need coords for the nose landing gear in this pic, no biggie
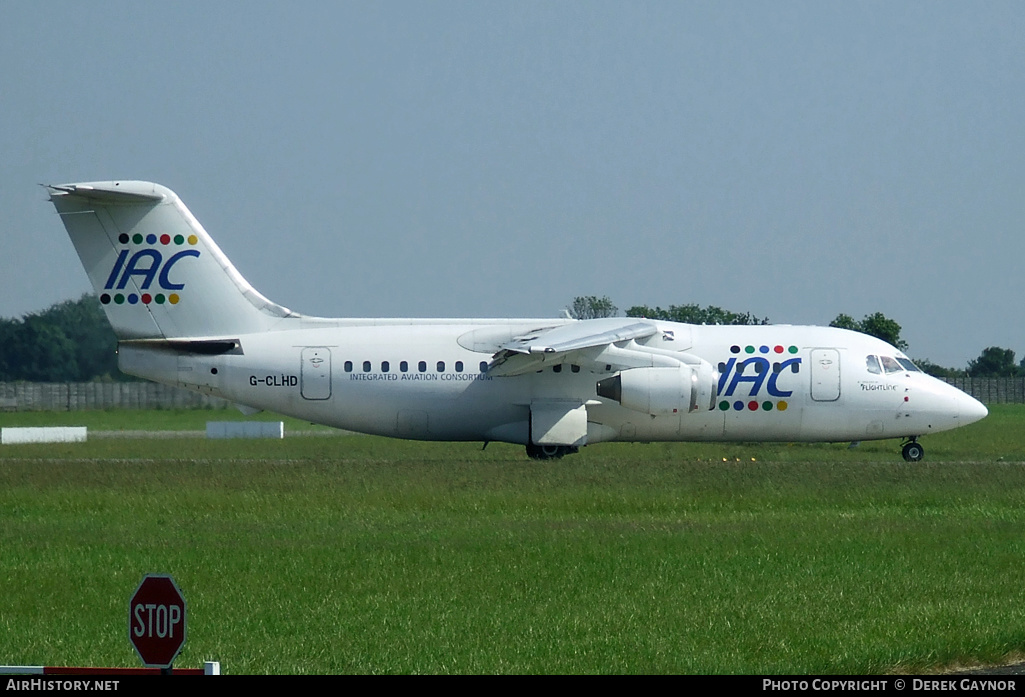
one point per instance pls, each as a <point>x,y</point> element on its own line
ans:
<point>912,450</point>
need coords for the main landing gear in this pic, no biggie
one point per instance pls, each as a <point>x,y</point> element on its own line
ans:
<point>912,450</point>
<point>549,452</point>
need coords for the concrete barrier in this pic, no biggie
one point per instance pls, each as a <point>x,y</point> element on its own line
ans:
<point>245,429</point>
<point>55,434</point>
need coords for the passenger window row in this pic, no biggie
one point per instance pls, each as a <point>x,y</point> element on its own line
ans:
<point>439,367</point>
<point>421,366</point>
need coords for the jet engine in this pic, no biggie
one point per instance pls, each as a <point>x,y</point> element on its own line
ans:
<point>663,390</point>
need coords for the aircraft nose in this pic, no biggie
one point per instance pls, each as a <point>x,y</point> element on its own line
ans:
<point>948,407</point>
<point>972,410</point>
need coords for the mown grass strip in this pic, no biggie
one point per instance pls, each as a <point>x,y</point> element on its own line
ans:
<point>360,555</point>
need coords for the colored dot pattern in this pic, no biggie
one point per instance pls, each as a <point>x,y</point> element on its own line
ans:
<point>147,298</point>
<point>164,239</point>
<point>763,349</point>
<point>753,405</point>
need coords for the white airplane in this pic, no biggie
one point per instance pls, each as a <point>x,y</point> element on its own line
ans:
<point>185,316</point>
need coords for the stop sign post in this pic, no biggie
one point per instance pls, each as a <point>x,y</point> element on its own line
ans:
<point>156,620</point>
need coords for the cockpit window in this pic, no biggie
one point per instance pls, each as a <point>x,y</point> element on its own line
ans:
<point>890,365</point>
<point>908,365</point>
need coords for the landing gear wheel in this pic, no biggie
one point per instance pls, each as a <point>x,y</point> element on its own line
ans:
<point>912,451</point>
<point>549,452</point>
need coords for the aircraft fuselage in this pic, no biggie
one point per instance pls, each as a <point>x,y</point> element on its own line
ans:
<point>430,382</point>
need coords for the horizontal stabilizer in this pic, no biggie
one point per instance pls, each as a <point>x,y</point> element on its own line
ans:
<point>112,192</point>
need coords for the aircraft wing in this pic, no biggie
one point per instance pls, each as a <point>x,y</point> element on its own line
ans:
<point>582,343</point>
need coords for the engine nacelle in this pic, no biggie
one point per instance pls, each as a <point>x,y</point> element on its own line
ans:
<point>663,390</point>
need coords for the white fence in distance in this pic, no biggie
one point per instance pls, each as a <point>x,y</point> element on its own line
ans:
<point>76,396</point>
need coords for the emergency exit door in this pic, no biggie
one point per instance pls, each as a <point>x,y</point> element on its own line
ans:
<point>315,374</point>
<point>825,375</point>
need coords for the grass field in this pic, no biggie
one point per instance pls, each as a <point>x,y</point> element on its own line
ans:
<point>356,554</point>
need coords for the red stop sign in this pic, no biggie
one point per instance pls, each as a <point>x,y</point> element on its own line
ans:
<point>156,620</point>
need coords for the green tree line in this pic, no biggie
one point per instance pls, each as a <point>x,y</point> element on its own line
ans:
<point>70,341</point>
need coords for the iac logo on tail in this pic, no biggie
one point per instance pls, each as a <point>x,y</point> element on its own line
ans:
<point>148,265</point>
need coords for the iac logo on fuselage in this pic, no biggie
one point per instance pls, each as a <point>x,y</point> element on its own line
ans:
<point>148,266</point>
<point>757,372</point>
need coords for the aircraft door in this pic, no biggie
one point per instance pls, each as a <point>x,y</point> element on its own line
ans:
<point>315,373</point>
<point>825,375</point>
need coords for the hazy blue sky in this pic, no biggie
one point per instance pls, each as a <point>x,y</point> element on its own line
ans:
<point>795,160</point>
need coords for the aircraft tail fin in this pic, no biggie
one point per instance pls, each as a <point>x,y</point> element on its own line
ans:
<point>156,270</point>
